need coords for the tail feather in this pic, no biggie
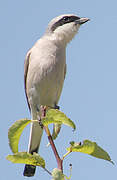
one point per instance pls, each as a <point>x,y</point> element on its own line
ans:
<point>29,170</point>
<point>34,142</point>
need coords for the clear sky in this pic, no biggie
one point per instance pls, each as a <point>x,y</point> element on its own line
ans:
<point>89,95</point>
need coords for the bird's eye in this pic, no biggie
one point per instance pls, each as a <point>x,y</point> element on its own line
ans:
<point>66,18</point>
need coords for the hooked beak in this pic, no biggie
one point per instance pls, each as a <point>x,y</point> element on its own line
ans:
<point>82,20</point>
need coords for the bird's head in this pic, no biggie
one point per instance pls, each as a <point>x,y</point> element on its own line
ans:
<point>63,28</point>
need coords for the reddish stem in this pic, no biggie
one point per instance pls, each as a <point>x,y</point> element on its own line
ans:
<point>58,159</point>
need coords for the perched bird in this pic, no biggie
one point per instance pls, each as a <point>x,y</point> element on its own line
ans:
<point>44,72</point>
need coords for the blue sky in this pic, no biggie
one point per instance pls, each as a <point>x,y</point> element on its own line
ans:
<point>89,95</point>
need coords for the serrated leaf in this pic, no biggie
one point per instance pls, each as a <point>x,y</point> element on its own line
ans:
<point>27,158</point>
<point>56,116</point>
<point>15,132</point>
<point>91,148</point>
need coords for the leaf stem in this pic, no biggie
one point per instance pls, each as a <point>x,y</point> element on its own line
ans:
<point>46,170</point>
<point>66,154</point>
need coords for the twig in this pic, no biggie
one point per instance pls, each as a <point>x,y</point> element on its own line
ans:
<point>47,171</point>
<point>58,159</point>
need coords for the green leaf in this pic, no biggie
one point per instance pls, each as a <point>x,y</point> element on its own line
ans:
<point>27,158</point>
<point>15,132</point>
<point>56,116</point>
<point>56,130</point>
<point>91,148</point>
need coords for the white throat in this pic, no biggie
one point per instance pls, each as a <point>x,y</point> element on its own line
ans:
<point>64,34</point>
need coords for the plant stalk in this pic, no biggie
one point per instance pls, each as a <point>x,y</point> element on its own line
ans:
<point>58,159</point>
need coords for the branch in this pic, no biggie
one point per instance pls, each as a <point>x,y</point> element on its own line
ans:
<point>58,159</point>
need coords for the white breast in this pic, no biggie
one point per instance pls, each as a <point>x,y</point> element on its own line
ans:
<point>45,74</point>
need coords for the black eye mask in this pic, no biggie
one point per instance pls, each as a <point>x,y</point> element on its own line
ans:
<point>64,20</point>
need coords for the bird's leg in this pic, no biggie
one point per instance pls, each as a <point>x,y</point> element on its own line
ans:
<point>39,118</point>
<point>40,123</point>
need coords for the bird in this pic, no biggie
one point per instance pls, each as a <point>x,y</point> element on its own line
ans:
<point>44,73</point>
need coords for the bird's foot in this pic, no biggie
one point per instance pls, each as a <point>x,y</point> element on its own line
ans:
<point>40,123</point>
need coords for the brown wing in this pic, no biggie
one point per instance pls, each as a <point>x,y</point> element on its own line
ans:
<point>26,65</point>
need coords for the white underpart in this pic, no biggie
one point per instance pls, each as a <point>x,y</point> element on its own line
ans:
<point>46,73</point>
<point>66,32</point>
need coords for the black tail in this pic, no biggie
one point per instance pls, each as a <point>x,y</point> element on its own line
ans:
<point>29,170</point>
